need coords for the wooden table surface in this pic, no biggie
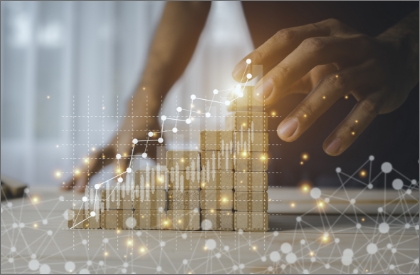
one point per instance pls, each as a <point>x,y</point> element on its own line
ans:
<point>339,236</point>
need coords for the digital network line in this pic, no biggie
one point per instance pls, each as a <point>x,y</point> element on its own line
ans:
<point>239,92</point>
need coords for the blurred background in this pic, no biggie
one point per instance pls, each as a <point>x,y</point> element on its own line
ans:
<point>69,68</point>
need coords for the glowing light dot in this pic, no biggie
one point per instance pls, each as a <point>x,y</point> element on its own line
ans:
<point>174,130</point>
<point>346,97</point>
<point>120,179</point>
<point>193,97</point>
<point>93,148</point>
<point>150,134</point>
<point>249,76</point>
<point>301,163</point>
<point>188,121</point>
<point>144,155</point>
<point>163,118</point>
<point>97,186</point>
<point>129,170</point>
<point>85,199</point>
<point>118,156</point>
<point>92,214</point>
<point>248,61</point>
<point>160,140</point>
<point>135,141</point>
<point>77,172</point>
<point>324,97</point>
<point>215,91</point>
<point>48,97</point>
<point>353,133</point>
<point>336,76</point>
<point>227,102</point>
<point>179,109</point>
<point>208,114</point>
<point>304,115</point>
<point>356,121</point>
<point>292,205</point>
<point>58,174</point>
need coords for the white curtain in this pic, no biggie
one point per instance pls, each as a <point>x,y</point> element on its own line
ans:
<point>68,69</point>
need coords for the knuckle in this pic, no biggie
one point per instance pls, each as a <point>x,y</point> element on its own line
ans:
<point>333,22</point>
<point>369,106</point>
<point>313,44</point>
<point>338,80</point>
<point>282,71</point>
<point>285,35</point>
<point>306,110</point>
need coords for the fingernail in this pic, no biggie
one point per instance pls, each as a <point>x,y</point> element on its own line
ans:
<point>238,72</point>
<point>334,147</point>
<point>288,128</point>
<point>264,89</point>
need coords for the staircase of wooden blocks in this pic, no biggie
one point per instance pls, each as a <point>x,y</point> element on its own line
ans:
<point>221,187</point>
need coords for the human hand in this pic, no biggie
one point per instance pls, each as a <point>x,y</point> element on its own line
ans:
<point>328,60</point>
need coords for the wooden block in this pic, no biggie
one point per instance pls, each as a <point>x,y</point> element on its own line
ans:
<point>244,121</point>
<point>215,179</point>
<point>118,219</point>
<point>183,160</point>
<point>251,162</point>
<point>251,201</point>
<point>183,200</point>
<point>217,160</point>
<point>82,219</point>
<point>216,199</point>
<point>150,219</point>
<point>154,177</point>
<point>216,140</point>
<point>180,180</point>
<point>250,181</point>
<point>12,188</point>
<point>247,141</point>
<point>184,219</point>
<point>217,220</point>
<point>146,199</point>
<point>251,221</point>
<point>243,99</point>
<point>117,197</point>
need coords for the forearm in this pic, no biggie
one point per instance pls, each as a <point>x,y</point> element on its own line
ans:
<point>171,50</point>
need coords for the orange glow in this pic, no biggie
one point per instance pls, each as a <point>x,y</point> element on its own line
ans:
<point>363,173</point>
<point>292,205</point>
<point>305,156</point>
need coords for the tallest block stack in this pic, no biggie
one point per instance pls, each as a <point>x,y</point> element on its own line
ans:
<point>250,125</point>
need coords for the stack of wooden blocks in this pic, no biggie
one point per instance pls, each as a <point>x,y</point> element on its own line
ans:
<point>223,187</point>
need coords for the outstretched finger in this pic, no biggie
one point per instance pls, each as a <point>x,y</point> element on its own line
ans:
<point>351,127</point>
<point>323,96</point>
<point>278,47</point>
